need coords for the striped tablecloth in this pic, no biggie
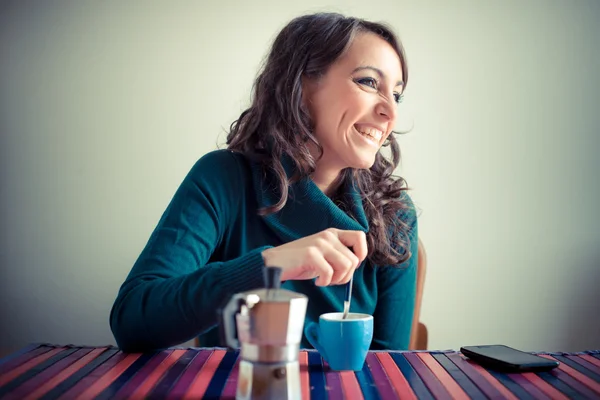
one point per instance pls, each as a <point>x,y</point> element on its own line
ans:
<point>68,372</point>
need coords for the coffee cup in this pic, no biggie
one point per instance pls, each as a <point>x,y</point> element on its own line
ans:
<point>342,342</point>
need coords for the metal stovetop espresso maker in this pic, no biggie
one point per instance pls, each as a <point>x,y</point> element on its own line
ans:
<point>266,325</point>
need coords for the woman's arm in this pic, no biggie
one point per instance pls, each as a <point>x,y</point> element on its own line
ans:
<point>396,295</point>
<point>172,292</point>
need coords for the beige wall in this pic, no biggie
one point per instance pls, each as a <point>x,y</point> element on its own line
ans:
<point>104,107</point>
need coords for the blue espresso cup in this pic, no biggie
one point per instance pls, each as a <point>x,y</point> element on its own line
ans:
<point>343,343</point>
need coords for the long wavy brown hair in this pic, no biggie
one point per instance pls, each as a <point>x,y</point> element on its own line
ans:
<point>277,125</point>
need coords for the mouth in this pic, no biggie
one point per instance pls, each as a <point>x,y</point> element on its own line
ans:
<point>373,135</point>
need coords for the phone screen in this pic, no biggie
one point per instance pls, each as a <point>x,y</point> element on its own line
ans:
<point>504,356</point>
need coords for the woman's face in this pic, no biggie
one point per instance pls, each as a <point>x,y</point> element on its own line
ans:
<point>353,106</point>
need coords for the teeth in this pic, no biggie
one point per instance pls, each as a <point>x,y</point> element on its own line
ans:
<point>372,132</point>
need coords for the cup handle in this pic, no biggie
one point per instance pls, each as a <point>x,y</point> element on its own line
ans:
<point>312,334</point>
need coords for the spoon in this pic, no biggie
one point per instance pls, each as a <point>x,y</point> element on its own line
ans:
<point>348,298</point>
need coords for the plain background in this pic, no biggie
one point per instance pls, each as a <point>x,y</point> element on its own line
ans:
<point>105,106</point>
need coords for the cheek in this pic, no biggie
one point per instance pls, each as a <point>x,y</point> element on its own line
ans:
<point>328,116</point>
<point>359,104</point>
<point>333,115</point>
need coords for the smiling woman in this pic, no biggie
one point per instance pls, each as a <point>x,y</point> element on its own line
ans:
<point>354,105</point>
<point>303,186</point>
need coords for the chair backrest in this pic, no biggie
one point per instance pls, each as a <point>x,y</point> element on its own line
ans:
<point>418,336</point>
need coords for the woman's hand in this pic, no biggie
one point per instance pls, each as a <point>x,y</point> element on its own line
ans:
<point>325,255</point>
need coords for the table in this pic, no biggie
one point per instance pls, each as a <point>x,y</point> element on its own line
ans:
<point>67,372</point>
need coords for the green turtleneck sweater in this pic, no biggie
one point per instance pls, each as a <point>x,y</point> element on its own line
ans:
<point>207,247</point>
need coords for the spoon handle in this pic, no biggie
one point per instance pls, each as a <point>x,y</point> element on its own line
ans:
<point>348,298</point>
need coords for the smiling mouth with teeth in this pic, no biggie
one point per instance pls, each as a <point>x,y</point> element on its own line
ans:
<point>371,133</point>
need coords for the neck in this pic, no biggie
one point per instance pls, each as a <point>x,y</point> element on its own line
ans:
<point>328,179</point>
<point>326,175</point>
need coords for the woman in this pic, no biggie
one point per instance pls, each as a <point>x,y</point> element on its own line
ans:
<point>302,186</point>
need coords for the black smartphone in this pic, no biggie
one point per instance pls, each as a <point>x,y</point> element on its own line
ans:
<point>507,359</point>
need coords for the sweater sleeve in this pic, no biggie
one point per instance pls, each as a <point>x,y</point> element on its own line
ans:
<point>174,290</point>
<point>396,294</point>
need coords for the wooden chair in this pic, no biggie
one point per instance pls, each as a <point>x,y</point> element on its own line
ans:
<point>418,336</point>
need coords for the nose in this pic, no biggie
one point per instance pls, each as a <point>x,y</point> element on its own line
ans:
<point>386,108</point>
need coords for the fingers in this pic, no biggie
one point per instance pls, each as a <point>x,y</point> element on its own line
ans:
<point>346,277</point>
<point>320,266</point>
<point>347,264</point>
<point>357,240</point>
<point>342,266</point>
<point>340,259</point>
<point>331,255</point>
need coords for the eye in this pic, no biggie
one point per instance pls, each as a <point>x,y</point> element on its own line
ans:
<point>398,98</point>
<point>371,82</point>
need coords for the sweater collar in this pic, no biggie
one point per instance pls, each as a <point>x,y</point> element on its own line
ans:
<point>308,210</point>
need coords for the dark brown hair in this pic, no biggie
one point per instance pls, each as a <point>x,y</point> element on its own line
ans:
<point>277,125</point>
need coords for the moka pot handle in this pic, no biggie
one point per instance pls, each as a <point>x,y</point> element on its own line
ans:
<point>229,336</point>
